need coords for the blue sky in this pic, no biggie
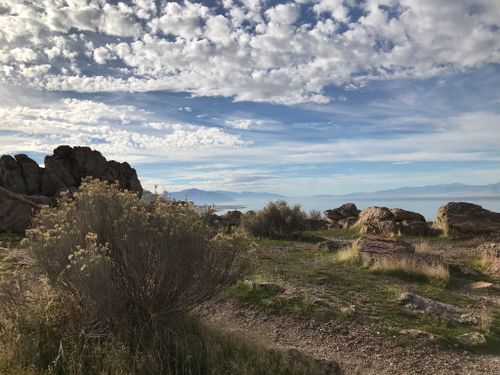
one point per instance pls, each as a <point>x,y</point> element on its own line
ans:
<point>293,97</point>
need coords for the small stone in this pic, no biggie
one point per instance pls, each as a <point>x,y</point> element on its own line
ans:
<point>472,338</point>
<point>484,285</point>
<point>351,309</point>
<point>264,285</point>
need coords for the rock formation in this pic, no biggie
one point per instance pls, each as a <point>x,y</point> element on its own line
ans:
<point>373,247</point>
<point>344,216</point>
<point>15,211</point>
<point>391,222</point>
<point>26,186</point>
<point>465,220</point>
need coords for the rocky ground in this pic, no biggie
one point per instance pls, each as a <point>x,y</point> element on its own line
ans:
<point>299,297</point>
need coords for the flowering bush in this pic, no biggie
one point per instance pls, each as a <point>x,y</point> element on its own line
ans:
<point>127,262</point>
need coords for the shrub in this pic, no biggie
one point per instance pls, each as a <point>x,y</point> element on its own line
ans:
<point>129,263</point>
<point>277,220</point>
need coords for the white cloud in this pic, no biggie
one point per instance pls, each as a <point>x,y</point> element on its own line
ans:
<point>249,51</point>
<point>121,131</point>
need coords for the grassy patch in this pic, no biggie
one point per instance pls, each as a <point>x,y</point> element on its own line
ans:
<point>340,233</point>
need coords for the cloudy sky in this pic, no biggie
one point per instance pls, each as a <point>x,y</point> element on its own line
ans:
<point>294,97</point>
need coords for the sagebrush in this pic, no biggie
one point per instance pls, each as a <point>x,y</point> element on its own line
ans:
<point>277,220</point>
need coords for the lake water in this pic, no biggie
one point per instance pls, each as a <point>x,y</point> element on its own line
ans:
<point>425,206</point>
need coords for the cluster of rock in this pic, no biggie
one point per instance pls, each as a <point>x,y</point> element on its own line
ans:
<point>24,185</point>
<point>456,219</point>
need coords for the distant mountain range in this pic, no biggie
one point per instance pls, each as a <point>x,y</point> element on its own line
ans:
<point>219,196</point>
<point>431,191</point>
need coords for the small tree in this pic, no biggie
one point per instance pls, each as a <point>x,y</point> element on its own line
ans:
<point>276,220</point>
<point>129,263</point>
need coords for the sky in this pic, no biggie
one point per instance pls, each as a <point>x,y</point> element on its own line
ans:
<point>294,97</point>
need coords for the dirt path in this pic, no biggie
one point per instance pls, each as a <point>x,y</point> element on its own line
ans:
<point>358,348</point>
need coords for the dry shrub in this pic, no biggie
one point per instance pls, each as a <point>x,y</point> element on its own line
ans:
<point>315,215</point>
<point>129,263</point>
<point>277,220</point>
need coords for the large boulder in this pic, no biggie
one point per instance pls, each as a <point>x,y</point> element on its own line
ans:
<point>68,166</point>
<point>376,247</point>
<point>466,220</point>
<point>11,175</point>
<point>15,211</point>
<point>391,222</point>
<point>344,216</point>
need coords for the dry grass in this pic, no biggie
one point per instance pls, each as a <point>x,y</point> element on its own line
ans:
<point>487,258</point>
<point>348,255</point>
<point>423,247</point>
<point>412,267</point>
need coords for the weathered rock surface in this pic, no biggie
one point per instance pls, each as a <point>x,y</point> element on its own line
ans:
<point>465,220</point>
<point>15,211</point>
<point>64,170</point>
<point>391,222</point>
<point>26,186</point>
<point>378,247</point>
<point>471,338</point>
<point>344,216</point>
<point>444,310</point>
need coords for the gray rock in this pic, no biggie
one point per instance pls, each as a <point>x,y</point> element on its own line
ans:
<point>472,339</point>
<point>466,220</point>
<point>443,310</point>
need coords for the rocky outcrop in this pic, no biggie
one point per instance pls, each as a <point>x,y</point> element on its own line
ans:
<point>64,170</point>
<point>68,166</point>
<point>374,247</point>
<point>15,211</point>
<point>443,310</point>
<point>466,220</point>
<point>391,222</point>
<point>26,186</point>
<point>344,216</point>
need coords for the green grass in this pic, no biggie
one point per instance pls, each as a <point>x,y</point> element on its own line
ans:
<point>340,233</point>
<point>375,294</point>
